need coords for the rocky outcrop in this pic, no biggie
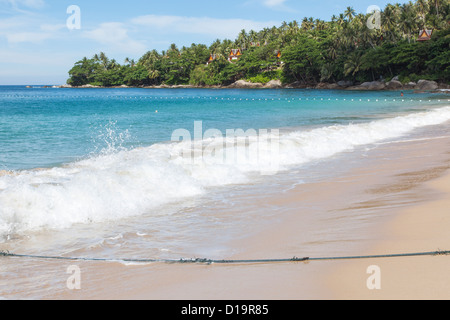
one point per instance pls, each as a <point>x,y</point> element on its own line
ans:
<point>369,86</point>
<point>394,85</point>
<point>345,83</point>
<point>420,86</point>
<point>297,85</point>
<point>242,84</point>
<point>273,84</point>
<point>410,85</point>
<point>89,86</point>
<point>328,86</point>
<point>426,85</point>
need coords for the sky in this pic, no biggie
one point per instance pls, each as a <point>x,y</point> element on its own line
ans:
<point>40,40</point>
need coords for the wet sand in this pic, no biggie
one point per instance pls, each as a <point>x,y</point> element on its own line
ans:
<point>396,202</point>
<point>421,228</point>
<point>393,201</point>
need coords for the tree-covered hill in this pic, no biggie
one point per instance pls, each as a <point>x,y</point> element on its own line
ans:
<point>308,52</point>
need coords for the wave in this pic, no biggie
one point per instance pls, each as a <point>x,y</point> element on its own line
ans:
<point>126,183</point>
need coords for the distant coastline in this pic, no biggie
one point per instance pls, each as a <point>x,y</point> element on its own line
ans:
<point>408,52</point>
<point>393,85</point>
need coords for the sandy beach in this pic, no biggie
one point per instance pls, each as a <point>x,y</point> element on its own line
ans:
<point>388,205</point>
<point>259,151</point>
<point>420,228</point>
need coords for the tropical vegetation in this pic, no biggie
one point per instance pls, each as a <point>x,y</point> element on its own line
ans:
<point>312,51</point>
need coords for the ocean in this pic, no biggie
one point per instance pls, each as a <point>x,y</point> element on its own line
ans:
<point>177,173</point>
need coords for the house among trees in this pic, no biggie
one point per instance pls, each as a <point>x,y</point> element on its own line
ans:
<point>278,53</point>
<point>212,57</point>
<point>235,54</point>
<point>425,35</point>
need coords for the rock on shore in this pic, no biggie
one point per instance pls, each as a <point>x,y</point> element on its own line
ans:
<point>242,84</point>
<point>425,85</point>
<point>394,84</point>
<point>369,86</point>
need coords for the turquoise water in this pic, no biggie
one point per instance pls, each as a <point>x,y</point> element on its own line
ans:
<point>111,173</point>
<point>45,127</point>
<point>99,169</point>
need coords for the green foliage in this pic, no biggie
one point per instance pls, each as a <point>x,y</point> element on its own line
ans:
<point>303,60</point>
<point>313,51</point>
<point>260,78</point>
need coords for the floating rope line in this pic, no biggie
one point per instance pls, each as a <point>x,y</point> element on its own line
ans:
<point>214,261</point>
<point>225,98</point>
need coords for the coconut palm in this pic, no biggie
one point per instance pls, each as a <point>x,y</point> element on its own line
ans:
<point>326,72</point>
<point>408,20</point>
<point>349,13</point>
<point>242,39</point>
<point>332,52</point>
<point>130,62</point>
<point>104,60</point>
<point>307,24</point>
<point>389,22</point>
<point>422,8</point>
<point>113,64</point>
<point>353,65</point>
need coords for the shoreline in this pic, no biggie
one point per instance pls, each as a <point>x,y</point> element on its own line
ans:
<point>394,85</point>
<point>361,211</point>
<point>380,207</point>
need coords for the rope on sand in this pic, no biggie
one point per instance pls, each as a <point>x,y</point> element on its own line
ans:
<point>213,261</point>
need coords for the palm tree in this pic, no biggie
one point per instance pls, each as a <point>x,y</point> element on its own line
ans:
<point>225,47</point>
<point>332,52</point>
<point>326,72</point>
<point>353,64</point>
<point>149,59</point>
<point>408,20</point>
<point>389,23</point>
<point>242,39</point>
<point>306,24</point>
<point>130,62</point>
<point>253,36</point>
<point>350,13</point>
<point>113,64</point>
<point>153,74</point>
<point>173,49</point>
<point>366,35</point>
<point>319,24</point>
<point>104,59</point>
<point>436,5</point>
<point>423,8</point>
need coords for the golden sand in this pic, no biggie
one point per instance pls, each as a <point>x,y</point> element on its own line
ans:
<point>388,207</point>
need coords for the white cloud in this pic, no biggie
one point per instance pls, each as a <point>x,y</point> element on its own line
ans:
<point>115,35</point>
<point>13,58</point>
<point>52,27</point>
<point>277,5</point>
<point>273,3</point>
<point>29,28</point>
<point>12,23</point>
<point>31,37</point>
<point>219,28</point>
<point>19,29</point>
<point>29,4</point>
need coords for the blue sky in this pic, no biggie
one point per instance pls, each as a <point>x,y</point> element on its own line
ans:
<point>37,47</point>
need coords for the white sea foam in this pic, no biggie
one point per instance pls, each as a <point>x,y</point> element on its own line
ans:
<point>128,183</point>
